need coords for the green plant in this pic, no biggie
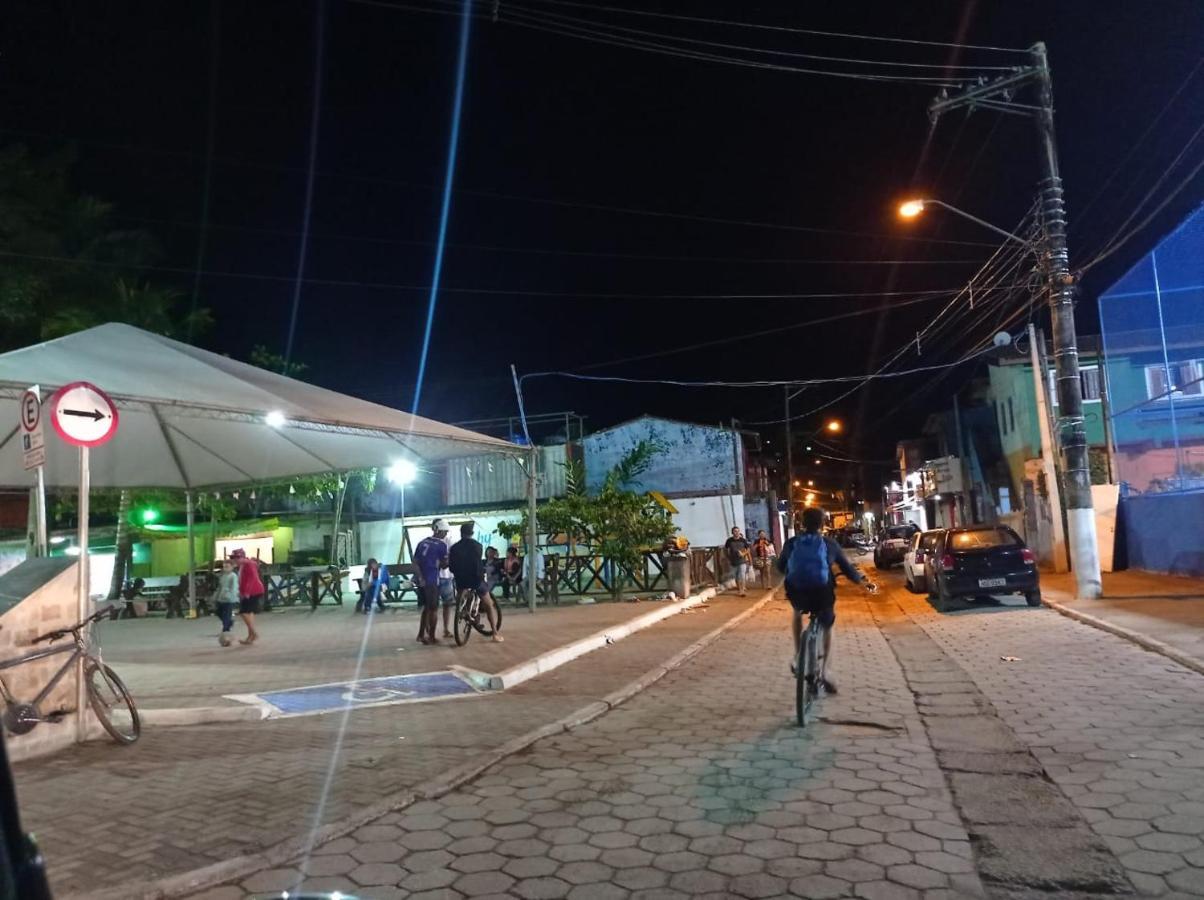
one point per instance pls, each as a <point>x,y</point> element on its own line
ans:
<point>615,522</point>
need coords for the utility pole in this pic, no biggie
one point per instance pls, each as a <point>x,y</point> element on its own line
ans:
<point>1040,386</point>
<point>1072,433</point>
<point>789,470</point>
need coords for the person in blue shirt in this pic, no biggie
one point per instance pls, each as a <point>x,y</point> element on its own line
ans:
<point>372,587</point>
<point>429,557</point>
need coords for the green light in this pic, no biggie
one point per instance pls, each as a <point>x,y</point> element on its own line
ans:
<point>149,516</point>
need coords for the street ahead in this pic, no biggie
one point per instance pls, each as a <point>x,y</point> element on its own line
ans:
<point>1001,751</point>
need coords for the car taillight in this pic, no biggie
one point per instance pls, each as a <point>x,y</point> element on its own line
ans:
<point>1028,556</point>
<point>947,562</point>
<point>919,557</point>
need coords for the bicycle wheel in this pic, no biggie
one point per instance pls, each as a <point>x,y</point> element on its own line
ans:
<point>802,689</point>
<point>481,623</point>
<point>463,624</point>
<point>112,703</point>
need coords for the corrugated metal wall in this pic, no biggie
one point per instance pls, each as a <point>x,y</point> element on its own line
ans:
<point>476,480</point>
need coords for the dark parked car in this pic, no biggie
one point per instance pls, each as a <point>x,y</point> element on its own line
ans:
<point>892,545</point>
<point>981,560</point>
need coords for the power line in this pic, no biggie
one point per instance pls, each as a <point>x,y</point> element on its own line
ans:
<point>725,46</point>
<point>1116,241</point>
<point>718,342</point>
<point>334,282</point>
<point>843,379</point>
<point>1081,216</point>
<point>667,50</point>
<point>779,28</point>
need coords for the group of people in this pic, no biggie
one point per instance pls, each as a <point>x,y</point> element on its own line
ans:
<point>239,586</point>
<point>743,554</point>
<point>466,562</point>
<point>441,571</point>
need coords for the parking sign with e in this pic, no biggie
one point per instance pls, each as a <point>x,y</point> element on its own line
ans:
<point>33,445</point>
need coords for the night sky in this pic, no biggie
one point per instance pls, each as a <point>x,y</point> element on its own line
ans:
<point>559,135</point>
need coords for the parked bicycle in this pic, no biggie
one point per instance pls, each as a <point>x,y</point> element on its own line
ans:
<point>107,694</point>
<point>469,615</point>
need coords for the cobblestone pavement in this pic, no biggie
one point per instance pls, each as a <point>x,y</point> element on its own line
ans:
<point>1167,608</point>
<point>701,786</point>
<point>184,798</point>
<point>940,770</point>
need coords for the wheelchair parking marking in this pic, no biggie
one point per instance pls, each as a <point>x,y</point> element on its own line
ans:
<point>388,690</point>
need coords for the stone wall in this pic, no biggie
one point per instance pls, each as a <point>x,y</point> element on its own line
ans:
<point>38,596</point>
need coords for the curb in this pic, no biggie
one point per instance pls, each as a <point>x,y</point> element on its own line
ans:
<point>287,851</point>
<point>170,717</point>
<point>1136,637</point>
<point>553,659</point>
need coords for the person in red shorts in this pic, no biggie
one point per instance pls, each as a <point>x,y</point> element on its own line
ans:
<point>250,593</point>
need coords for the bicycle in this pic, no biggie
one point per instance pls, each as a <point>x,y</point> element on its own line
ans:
<point>809,664</point>
<point>468,616</point>
<point>107,694</point>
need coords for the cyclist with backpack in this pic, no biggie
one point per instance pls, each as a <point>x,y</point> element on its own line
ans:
<point>807,561</point>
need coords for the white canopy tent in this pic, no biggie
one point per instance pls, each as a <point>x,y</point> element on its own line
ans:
<point>193,420</point>
<point>190,419</point>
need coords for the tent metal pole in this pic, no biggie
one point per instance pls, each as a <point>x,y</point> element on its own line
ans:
<point>189,512</point>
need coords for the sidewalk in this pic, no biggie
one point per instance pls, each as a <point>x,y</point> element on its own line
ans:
<point>185,798</point>
<point>178,663</point>
<point>1166,608</point>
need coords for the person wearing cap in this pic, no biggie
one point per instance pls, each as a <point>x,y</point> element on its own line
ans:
<point>429,557</point>
<point>250,593</point>
<point>467,564</point>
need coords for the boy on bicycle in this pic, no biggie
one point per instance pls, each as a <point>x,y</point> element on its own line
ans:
<point>806,561</point>
<point>468,569</point>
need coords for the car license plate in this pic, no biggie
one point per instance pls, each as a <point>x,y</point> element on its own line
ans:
<point>992,582</point>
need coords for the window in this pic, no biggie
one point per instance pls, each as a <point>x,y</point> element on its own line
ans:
<point>1011,416</point>
<point>981,539</point>
<point>1003,422</point>
<point>1089,377</point>
<point>1186,376</point>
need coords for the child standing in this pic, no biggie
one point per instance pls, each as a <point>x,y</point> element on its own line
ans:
<point>227,601</point>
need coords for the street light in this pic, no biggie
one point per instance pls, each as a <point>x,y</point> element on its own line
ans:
<point>401,473</point>
<point>835,426</point>
<point>912,209</point>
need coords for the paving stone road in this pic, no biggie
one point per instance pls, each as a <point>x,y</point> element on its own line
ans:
<point>181,799</point>
<point>940,770</point>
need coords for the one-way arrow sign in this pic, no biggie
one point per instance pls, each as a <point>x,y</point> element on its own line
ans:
<point>83,414</point>
<point>95,414</point>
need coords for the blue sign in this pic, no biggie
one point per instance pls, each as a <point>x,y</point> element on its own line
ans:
<point>366,692</point>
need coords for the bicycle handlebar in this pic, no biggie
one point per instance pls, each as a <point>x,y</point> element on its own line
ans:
<point>59,633</point>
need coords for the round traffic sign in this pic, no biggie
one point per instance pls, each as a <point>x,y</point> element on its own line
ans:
<point>31,410</point>
<point>83,414</point>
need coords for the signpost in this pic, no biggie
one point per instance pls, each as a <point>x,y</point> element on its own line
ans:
<point>33,449</point>
<point>82,414</point>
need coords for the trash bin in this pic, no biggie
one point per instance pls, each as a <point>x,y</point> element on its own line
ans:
<point>677,565</point>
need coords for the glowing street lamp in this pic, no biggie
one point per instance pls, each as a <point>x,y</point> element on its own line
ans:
<point>834,426</point>
<point>402,472</point>
<point>911,209</point>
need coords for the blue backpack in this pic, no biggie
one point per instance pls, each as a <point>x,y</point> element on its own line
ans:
<point>808,565</point>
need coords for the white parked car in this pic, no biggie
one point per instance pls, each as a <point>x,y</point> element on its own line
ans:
<point>922,544</point>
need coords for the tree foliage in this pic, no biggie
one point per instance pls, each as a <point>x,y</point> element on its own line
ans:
<point>67,266</point>
<point>615,521</point>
